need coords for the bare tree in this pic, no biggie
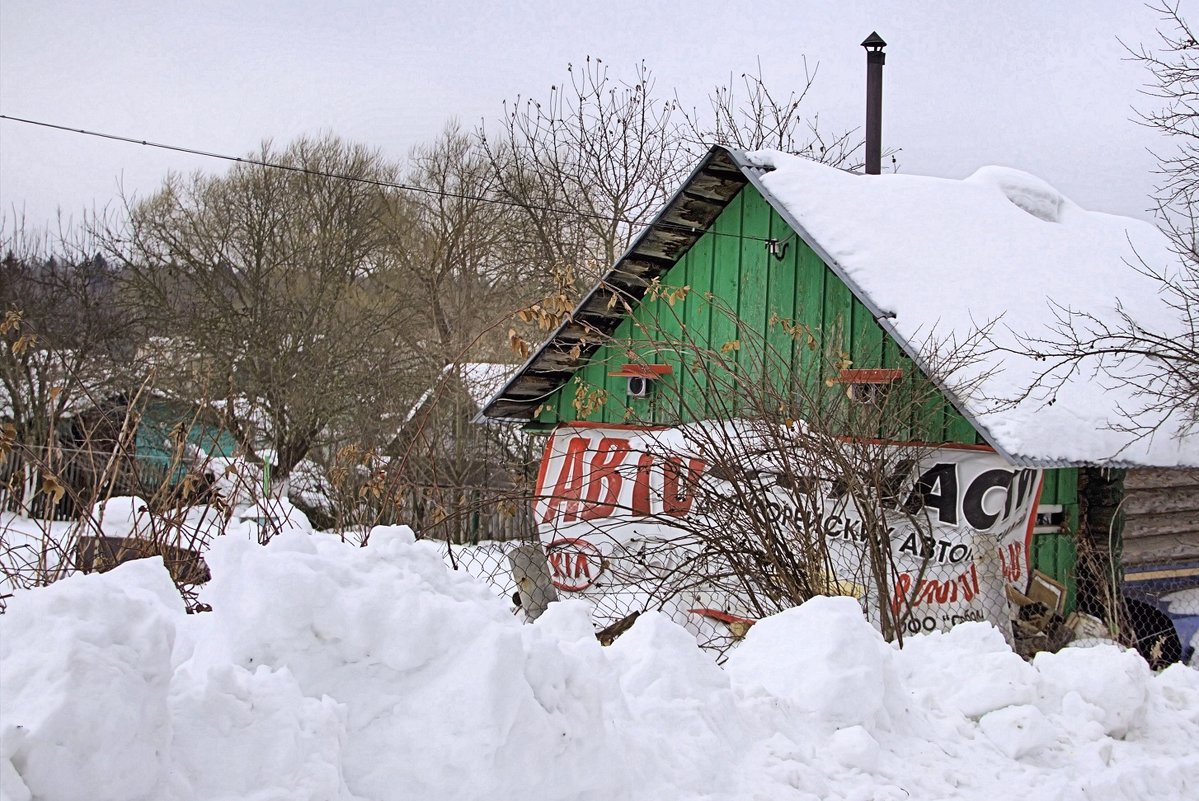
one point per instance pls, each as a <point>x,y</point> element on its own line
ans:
<point>451,250</point>
<point>588,165</point>
<point>270,288</point>
<point>1158,359</point>
<point>766,118</point>
<point>64,337</point>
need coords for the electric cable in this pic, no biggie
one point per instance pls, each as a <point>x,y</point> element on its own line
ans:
<point>371,181</point>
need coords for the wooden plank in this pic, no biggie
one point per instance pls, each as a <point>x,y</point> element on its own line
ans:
<point>664,243</point>
<point>1143,550</point>
<point>780,298</point>
<point>693,212</point>
<point>726,274</point>
<point>697,317</point>
<point>1157,478</point>
<point>755,263</point>
<point>1156,501</point>
<point>836,339</point>
<point>811,274</point>
<point>866,349</point>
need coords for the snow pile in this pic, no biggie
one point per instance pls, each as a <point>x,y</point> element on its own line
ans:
<point>328,671</point>
<point>939,259</point>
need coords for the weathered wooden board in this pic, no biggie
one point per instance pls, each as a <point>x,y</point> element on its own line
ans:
<point>1161,510</point>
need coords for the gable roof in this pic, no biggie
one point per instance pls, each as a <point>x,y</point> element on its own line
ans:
<point>480,381</point>
<point>934,260</point>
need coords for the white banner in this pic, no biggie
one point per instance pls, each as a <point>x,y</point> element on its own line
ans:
<point>605,491</point>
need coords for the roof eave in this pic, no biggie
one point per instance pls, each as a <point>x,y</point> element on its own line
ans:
<point>682,221</point>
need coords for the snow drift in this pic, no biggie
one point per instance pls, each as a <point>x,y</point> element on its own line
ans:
<point>327,671</point>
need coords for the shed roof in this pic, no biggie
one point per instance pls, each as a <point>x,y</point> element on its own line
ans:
<point>936,260</point>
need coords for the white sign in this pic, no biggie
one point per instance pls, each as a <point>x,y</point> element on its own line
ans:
<point>601,487</point>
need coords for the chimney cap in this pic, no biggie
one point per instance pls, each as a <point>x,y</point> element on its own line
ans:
<point>874,42</point>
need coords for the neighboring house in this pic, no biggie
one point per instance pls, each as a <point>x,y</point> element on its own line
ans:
<point>893,271</point>
<point>171,440</point>
<point>463,482</point>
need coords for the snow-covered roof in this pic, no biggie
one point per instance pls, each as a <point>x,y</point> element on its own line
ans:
<point>481,380</point>
<point>937,259</point>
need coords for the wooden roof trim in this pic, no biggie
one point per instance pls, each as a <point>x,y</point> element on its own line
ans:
<point>683,220</point>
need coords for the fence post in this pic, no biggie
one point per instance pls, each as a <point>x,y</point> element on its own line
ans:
<point>531,572</point>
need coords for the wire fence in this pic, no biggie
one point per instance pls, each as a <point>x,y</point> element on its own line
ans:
<point>1155,612</point>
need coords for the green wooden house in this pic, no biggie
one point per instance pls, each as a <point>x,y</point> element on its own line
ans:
<point>890,274</point>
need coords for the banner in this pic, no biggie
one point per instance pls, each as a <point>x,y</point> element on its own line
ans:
<point>961,527</point>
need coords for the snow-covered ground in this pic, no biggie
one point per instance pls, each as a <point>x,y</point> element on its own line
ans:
<point>328,671</point>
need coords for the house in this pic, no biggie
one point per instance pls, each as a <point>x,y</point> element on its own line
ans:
<point>857,280</point>
<point>170,440</point>
<point>460,480</point>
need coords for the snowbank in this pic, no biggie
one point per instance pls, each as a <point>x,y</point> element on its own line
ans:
<point>328,671</point>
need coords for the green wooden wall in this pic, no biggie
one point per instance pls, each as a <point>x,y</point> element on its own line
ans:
<point>745,318</point>
<point>1056,555</point>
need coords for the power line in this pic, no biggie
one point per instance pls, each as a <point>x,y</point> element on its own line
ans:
<point>361,180</point>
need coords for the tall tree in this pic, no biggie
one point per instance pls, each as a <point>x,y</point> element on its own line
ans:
<point>63,336</point>
<point>271,289</point>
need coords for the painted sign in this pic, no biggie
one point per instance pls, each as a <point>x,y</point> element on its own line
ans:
<point>575,563</point>
<point>962,523</point>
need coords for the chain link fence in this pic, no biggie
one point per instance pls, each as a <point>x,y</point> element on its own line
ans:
<point>1156,613</point>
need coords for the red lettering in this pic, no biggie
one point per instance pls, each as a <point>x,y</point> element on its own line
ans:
<point>899,598</point>
<point>934,591</point>
<point>569,487</point>
<point>967,592</point>
<point>640,505</point>
<point>582,567</point>
<point>556,563</point>
<point>946,591</point>
<point>604,479</point>
<point>1010,562</point>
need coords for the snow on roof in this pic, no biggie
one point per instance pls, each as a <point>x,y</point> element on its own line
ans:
<point>481,380</point>
<point>936,259</point>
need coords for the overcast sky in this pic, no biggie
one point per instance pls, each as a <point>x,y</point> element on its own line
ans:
<point>1038,85</point>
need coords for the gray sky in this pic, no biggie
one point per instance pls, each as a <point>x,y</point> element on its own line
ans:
<point>1037,85</point>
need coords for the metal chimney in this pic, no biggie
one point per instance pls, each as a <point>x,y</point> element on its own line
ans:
<point>875,58</point>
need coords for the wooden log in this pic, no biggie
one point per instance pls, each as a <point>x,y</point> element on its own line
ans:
<point>1158,549</point>
<point>1182,500</point>
<point>1158,525</point>
<point>1158,478</point>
